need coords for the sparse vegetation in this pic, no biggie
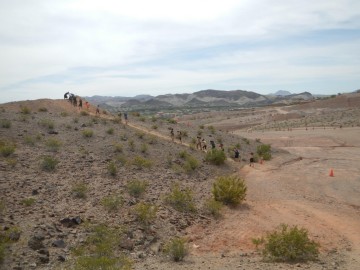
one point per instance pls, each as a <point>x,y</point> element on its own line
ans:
<point>215,156</point>
<point>112,203</point>
<point>264,151</point>
<point>49,163</point>
<point>191,164</point>
<point>5,123</point>
<point>181,200</point>
<point>53,144</point>
<point>143,148</point>
<point>112,169</point>
<point>25,110</point>
<point>64,114</point>
<point>132,145</point>
<point>98,251</point>
<point>88,133</point>
<point>145,213</point>
<point>84,113</point>
<point>79,190</point>
<point>289,244</point>
<point>118,147</point>
<point>229,190</point>
<point>6,148</point>
<point>141,162</point>
<point>43,109</point>
<point>110,131</point>
<point>136,187</point>
<point>28,201</point>
<point>47,123</point>
<point>176,248</point>
<point>213,207</point>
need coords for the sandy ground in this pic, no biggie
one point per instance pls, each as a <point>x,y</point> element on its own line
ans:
<point>293,188</point>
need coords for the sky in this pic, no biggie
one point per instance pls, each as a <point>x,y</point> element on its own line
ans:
<point>128,48</point>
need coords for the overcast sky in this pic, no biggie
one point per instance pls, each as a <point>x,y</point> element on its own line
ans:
<point>126,48</point>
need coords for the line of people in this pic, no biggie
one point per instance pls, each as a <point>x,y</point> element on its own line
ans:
<point>76,101</point>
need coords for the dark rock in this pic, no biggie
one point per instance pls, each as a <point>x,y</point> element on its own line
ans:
<point>18,268</point>
<point>44,251</point>
<point>44,258</point>
<point>14,236</point>
<point>127,244</point>
<point>35,244</point>
<point>62,258</point>
<point>59,243</point>
<point>71,222</point>
<point>35,192</point>
<point>83,125</point>
<point>53,132</point>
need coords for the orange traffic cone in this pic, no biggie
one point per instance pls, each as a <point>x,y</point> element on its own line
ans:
<point>331,173</point>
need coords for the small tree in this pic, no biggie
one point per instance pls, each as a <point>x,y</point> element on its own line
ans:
<point>176,248</point>
<point>264,151</point>
<point>215,156</point>
<point>229,190</point>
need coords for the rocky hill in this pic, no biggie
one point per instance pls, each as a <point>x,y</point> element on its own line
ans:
<point>67,172</point>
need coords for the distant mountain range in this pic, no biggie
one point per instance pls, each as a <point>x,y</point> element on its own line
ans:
<point>201,99</point>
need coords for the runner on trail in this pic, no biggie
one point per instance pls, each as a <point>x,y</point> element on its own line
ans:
<point>252,160</point>
<point>172,135</point>
<point>198,144</point>
<point>212,144</point>
<point>203,143</point>
<point>97,110</point>
<point>80,103</point>
<point>236,154</point>
<point>179,136</point>
<point>66,95</point>
<point>126,118</point>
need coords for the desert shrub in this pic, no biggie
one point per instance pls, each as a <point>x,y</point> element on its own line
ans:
<point>211,129</point>
<point>28,201</point>
<point>84,113</point>
<point>2,207</point>
<point>199,133</point>
<point>110,131</point>
<point>112,169</point>
<point>136,187</point>
<point>201,126</point>
<point>152,139</point>
<point>153,119</point>
<point>112,203</point>
<point>289,244</point>
<point>143,148</point>
<point>11,162</point>
<point>7,237</point>
<point>49,163</point>
<point>176,248</point>
<point>141,162</point>
<point>43,109</point>
<point>246,140</point>
<point>87,133</point>
<point>264,151</point>
<point>183,154</point>
<point>229,190</point>
<point>215,156</point>
<point>181,200</point>
<point>120,159</point>
<point>145,213</point>
<point>76,120</point>
<point>53,144</point>
<point>142,119</point>
<point>171,121</point>
<point>191,164</point>
<point>118,147</point>
<point>6,149</point>
<point>213,207</point>
<point>79,190</point>
<point>47,123</point>
<point>64,114</point>
<point>97,252</point>
<point>131,145</point>
<point>140,134</point>
<point>5,123</point>
<point>184,133</point>
<point>25,110</point>
<point>154,127</point>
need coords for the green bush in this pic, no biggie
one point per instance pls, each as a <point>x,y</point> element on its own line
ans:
<point>145,213</point>
<point>191,164</point>
<point>5,123</point>
<point>49,163</point>
<point>229,190</point>
<point>112,169</point>
<point>132,145</point>
<point>98,251</point>
<point>215,156</point>
<point>112,203</point>
<point>176,248</point>
<point>264,151</point>
<point>28,201</point>
<point>213,207</point>
<point>181,200</point>
<point>152,139</point>
<point>79,190</point>
<point>53,144</point>
<point>290,244</point>
<point>136,187</point>
<point>141,162</point>
<point>154,127</point>
<point>118,147</point>
<point>64,114</point>
<point>6,149</point>
<point>144,148</point>
<point>140,134</point>
<point>88,133</point>
<point>110,131</point>
<point>25,110</point>
<point>11,162</point>
<point>47,123</point>
<point>183,154</point>
<point>84,113</point>
<point>211,129</point>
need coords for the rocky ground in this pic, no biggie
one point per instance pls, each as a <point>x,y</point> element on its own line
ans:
<point>293,188</point>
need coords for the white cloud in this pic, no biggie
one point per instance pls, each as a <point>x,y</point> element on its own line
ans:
<point>171,45</point>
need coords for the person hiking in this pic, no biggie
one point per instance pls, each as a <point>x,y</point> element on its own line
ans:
<point>221,146</point>
<point>212,144</point>
<point>179,136</point>
<point>126,118</point>
<point>66,95</point>
<point>252,160</point>
<point>97,110</point>
<point>236,154</point>
<point>172,135</point>
<point>198,144</point>
<point>203,143</point>
<point>80,103</point>
<point>87,104</point>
